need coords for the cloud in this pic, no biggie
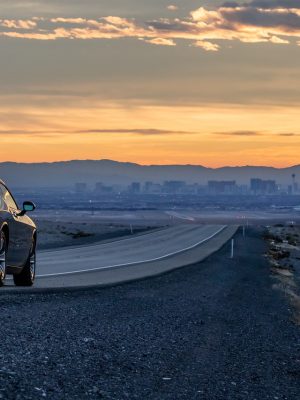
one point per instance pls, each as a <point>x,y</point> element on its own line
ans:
<point>172,7</point>
<point>161,42</point>
<point>239,133</point>
<point>55,132</point>
<point>259,21</point>
<point>288,134</point>
<point>277,40</point>
<point>18,24</point>
<point>267,4</point>
<point>20,132</point>
<point>68,20</point>
<point>208,46</point>
<point>145,132</point>
<point>57,34</point>
<point>253,133</point>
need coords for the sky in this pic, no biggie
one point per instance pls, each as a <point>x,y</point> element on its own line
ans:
<point>153,82</point>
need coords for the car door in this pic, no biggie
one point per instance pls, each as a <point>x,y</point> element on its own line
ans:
<point>18,240</point>
<point>3,211</point>
<point>25,229</point>
<point>8,218</point>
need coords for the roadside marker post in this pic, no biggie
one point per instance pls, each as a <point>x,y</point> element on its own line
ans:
<point>232,248</point>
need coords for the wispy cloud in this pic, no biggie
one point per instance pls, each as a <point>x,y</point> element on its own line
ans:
<point>288,134</point>
<point>266,4</point>
<point>254,133</point>
<point>239,133</point>
<point>257,21</point>
<point>54,132</point>
<point>145,132</point>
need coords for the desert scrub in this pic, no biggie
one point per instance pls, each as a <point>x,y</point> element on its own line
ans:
<point>291,240</point>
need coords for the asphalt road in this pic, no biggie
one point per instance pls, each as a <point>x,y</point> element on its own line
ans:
<point>127,259</point>
<point>212,331</point>
<point>135,250</point>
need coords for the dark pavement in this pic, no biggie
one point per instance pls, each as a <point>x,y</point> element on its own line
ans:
<point>215,330</point>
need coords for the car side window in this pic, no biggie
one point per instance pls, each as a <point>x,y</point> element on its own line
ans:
<point>7,198</point>
<point>1,197</point>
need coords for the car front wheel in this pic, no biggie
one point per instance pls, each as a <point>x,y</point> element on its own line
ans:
<point>3,250</point>
<point>27,275</point>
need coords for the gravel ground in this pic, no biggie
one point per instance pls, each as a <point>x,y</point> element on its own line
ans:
<point>215,330</point>
<point>284,257</point>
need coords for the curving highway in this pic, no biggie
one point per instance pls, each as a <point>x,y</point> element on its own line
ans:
<point>135,250</point>
<point>129,259</point>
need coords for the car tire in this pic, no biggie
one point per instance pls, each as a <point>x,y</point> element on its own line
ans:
<point>27,276</point>
<point>3,252</point>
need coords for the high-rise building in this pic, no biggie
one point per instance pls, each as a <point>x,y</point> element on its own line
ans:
<point>135,188</point>
<point>260,186</point>
<point>152,188</point>
<point>225,187</point>
<point>173,187</point>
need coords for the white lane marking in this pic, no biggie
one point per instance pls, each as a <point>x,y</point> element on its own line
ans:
<point>135,262</point>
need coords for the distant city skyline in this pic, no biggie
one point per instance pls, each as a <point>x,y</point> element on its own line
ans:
<point>255,186</point>
<point>108,172</point>
<point>151,82</point>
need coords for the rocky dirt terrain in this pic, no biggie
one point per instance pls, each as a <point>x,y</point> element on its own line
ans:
<point>284,257</point>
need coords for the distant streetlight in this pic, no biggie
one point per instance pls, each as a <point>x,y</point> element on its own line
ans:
<point>91,207</point>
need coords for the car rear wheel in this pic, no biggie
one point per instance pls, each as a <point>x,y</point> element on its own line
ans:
<point>27,276</point>
<point>3,251</point>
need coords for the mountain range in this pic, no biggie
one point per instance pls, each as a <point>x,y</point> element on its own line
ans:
<point>67,173</point>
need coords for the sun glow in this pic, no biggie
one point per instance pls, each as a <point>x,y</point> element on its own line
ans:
<point>154,135</point>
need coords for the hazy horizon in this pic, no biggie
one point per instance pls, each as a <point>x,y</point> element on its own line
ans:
<point>149,165</point>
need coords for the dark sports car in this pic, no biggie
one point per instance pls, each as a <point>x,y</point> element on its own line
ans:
<point>17,239</point>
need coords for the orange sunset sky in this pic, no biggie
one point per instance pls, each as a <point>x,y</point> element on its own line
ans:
<point>171,82</point>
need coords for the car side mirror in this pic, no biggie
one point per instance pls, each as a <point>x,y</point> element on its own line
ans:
<point>28,206</point>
